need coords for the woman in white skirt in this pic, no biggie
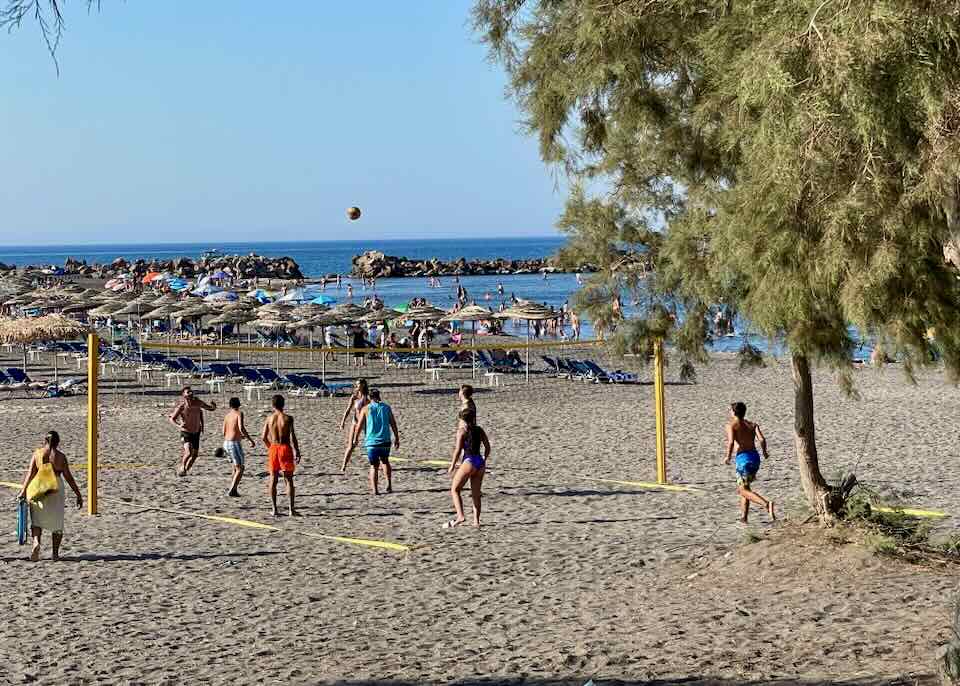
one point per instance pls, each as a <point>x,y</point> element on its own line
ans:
<point>48,512</point>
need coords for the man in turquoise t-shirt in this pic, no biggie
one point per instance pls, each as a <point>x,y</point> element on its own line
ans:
<point>378,421</point>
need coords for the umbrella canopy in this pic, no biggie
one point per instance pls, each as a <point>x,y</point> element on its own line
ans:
<point>167,299</point>
<point>243,304</point>
<point>234,317</point>
<point>136,307</point>
<point>79,307</point>
<point>150,277</point>
<point>106,309</point>
<point>220,274</point>
<point>196,311</point>
<point>323,299</point>
<point>349,312</point>
<point>161,312</point>
<point>222,296</point>
<point>472,313</point>
<point>308,311</point>
<point>52,327</point>
<point>277,307</point>
<point>528,312</point>
<point>425,314</point>
<point>123,296</point>
<point>382,315</point>
<point>260,295</point>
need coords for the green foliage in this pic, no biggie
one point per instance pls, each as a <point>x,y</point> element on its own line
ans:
<point>796,158</point>
<point>886,532</point>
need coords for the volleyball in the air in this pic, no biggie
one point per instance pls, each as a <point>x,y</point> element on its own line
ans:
<point>353,213</point>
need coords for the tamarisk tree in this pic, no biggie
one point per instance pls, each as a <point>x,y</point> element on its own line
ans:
<point>797,160</point>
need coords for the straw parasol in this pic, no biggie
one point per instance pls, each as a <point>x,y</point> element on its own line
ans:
<point>385,314</point>
<point>426,313</point>
<point>107,309</point>
<point>323,320</point>
<point>528,312</point>
<point>471,313</point>
<point>52,327</point>
<point>164,312</point>
<point>236,317</point>
<point>276,322</point>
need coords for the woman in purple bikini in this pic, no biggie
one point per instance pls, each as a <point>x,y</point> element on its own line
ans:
<point>471,439</point>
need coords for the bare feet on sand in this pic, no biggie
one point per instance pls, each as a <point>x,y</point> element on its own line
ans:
<point>771,512</point>
<point>452,523</point>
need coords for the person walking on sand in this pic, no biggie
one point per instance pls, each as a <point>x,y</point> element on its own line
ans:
<point>188,417</point>
<point>47,512</point>
<point>744,435</point>
<point>234,431</point>
<point>469,442</point>
<point>283,452</point>
<point>378,420</point>
<point>359,399</point>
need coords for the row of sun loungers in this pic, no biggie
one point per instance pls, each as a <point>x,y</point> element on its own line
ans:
<point>586,370</point>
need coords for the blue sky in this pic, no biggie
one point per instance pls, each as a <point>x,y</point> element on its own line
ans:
<point>183,120</point>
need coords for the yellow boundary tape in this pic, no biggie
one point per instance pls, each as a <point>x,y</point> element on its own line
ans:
<point>370,543</point>
<point>519,345</point>
<point>388,545</point>
<point>910,512</point>
<point>647,485</point>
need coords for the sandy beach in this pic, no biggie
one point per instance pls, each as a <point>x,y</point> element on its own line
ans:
<point>572,577</point>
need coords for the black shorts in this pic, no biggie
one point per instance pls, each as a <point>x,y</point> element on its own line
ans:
<point>191,439</point>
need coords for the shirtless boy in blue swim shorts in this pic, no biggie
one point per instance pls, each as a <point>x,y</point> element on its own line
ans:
<point>744,435</point>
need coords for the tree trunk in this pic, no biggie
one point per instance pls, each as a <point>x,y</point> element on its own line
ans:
<point>820,496</point>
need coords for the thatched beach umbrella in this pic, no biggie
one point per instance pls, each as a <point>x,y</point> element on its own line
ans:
<point>163,312</point>
<point>52,327</point>
<point>471,313</point>
<point>237,318</point>
<point>276,323</point>
<point>527,312</point>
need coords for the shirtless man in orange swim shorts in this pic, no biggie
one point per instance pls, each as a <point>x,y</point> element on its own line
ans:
<point>283,451</point>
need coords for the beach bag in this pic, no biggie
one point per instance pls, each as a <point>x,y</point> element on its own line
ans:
<point>45,481</point>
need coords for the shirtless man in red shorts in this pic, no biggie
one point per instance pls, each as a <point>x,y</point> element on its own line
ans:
<point>283,451</point>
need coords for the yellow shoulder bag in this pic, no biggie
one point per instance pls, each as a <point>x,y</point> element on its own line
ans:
<point>45,480</point>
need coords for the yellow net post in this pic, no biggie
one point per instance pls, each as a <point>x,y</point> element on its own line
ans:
<point>660,412</point>
<point>93,368</point>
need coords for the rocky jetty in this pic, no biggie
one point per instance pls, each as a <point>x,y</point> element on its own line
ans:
<point>375,264</point>
<point>240,266</point>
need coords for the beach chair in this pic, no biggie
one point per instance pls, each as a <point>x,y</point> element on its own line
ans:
<point>253,382</point>
<point>221,371</point>
<point>19,378</point>
<point>584,373</point>
<point>235,369</point>
<point>8,384</point>
<point>193,368</point>
<point>504,362</point>
<point>618,376</point>
<point>567,369</point>
<point>330,389</point>
<point>299,386</point>
<point>270,377</point>
<point>553,366</point>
